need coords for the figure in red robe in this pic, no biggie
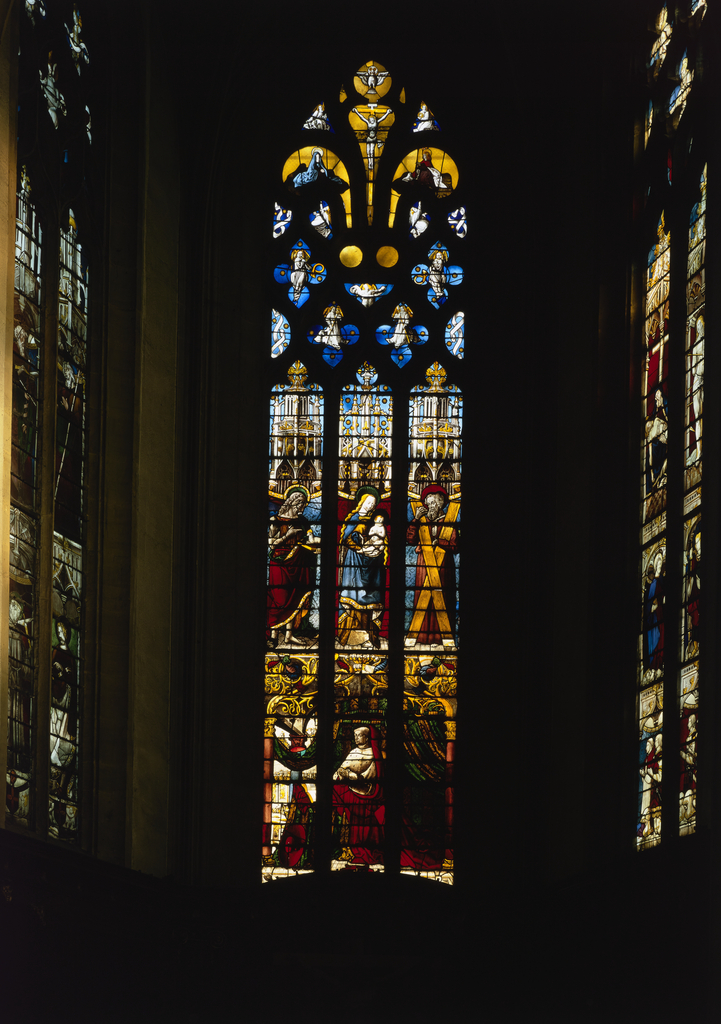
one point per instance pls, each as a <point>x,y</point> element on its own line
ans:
<point>358,806</point>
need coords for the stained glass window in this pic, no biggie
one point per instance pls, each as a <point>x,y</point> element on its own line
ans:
<point>49,436</point>
<point>363,619</point>
<point>670,655</point>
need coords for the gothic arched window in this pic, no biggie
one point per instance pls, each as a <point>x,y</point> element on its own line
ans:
<point>364,349</point>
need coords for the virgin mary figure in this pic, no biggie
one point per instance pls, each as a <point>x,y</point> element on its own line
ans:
<point>362,559</point>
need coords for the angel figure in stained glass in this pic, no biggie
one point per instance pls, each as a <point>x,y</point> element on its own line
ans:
<point>319,119</point>
<point>53,97</point>
<point>34,7</point>
<point>78,49</point>
<point>425,121</point>
<point>330,335</point>
<point>437,275</point>
<point>368,293</point>
<point>333,336</point>
<point>401,335</point>
<point>301,273</point>
<point>300,268</point>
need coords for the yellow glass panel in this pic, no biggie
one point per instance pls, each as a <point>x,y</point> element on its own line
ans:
<point>387,256</point>
<point>402,96</point>
<point>429,164</point>
<point>372,81</point>
<point>351,256</point>
<point>343,94</point>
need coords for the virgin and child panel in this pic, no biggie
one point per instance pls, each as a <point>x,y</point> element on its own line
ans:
<point>294,489</point>
<point>364,513</point>
<point>290,760</point>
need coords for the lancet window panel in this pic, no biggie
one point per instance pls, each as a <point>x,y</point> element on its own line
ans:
<point>295,491</point>
<point>690,625</point>
<point>654,486</point>
<point>362,661</point>
<point>24,512</point>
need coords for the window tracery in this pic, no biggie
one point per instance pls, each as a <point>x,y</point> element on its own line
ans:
<point>362,667</point>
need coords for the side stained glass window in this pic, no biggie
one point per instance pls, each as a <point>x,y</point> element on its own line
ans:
<point>49,434</point>
<point>363,609</point>
<point>670,664</point>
